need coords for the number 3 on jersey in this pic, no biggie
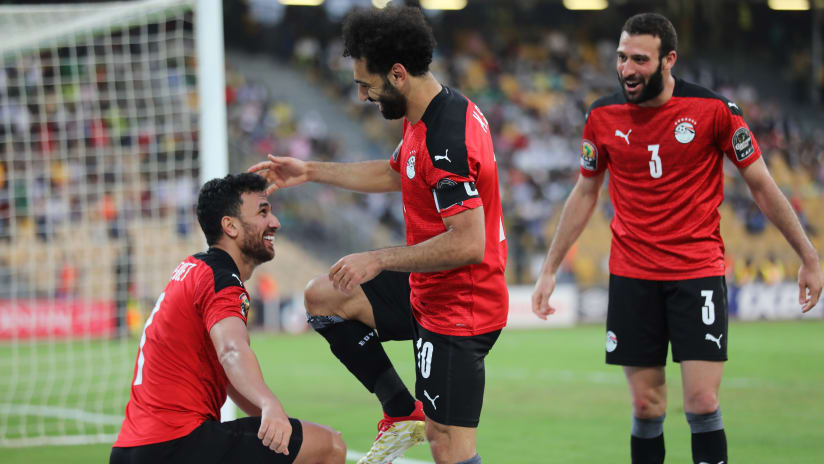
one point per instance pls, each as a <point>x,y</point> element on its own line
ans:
<point>655,163</point>
<point>138,378</point>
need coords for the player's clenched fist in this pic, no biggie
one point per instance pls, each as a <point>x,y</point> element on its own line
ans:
<point>275,429</point>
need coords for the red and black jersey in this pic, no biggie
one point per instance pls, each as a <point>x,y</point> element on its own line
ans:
<point>447,165</point>
<point>178,380</point>
<point>666,179</point>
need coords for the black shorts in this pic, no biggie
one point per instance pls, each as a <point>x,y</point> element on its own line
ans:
<point>450,373</point>
<point>644,315</point>
<point>213,442</point>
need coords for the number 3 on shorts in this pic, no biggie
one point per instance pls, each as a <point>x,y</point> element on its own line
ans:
<point>708,310</point>
<point>424,357</point>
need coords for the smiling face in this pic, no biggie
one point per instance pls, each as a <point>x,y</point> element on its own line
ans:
<point>377,89</point>
<point>256,239</point>
<point>640,69</point>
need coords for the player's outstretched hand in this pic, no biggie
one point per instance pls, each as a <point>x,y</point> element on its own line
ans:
<point>281,172</point>
<point>810,282</point>
<point>353,270</point>
<point>275,428</point>
<point>540,296</point>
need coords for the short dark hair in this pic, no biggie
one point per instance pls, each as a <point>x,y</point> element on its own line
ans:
<point>655,25</point>
<point>222,197</point>
<point>388,36</point>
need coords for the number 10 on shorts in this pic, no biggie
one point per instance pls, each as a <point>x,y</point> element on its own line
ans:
<point>424,357</point>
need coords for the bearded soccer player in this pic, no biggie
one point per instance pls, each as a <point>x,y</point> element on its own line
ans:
<point>195,349</point>
<point>445,289</point>
<point>663,141</point>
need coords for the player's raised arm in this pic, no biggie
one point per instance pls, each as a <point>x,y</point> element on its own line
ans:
<point>574,217</point>
<point>231,341</point>
<point>775,206</point>
<point>363,176</point>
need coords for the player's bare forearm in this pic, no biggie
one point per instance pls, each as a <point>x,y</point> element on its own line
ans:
<point>772,202</point>
<point>363,176</point>
<point>574,217</point>
<point>242,402</point>
<point>231,341</point>
<point>463,243</point>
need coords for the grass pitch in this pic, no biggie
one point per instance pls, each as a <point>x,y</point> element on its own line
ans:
<point>550,397</point>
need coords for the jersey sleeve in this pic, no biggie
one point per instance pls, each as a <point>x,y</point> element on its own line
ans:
<point>593,156</point>
<point>452,170</point>
<point>733,135</point>
<point>222,301</point>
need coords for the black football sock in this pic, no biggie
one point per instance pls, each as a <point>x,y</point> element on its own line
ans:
<point>647,441</point>
<point>709,442</point>
<point>357,346</point>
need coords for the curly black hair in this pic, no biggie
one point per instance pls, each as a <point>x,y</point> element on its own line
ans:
<point>222,197</point>
<point>388,36</point>
<point>655,25</point>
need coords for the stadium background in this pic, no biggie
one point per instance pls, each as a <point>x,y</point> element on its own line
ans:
<point>71,238</point>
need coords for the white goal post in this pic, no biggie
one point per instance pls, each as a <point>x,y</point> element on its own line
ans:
<point>111,116</point>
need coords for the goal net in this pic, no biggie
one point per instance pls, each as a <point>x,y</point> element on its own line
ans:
<point>99,169</point>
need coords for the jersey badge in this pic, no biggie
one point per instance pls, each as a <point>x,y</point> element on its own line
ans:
<point>589,156</point>
<point>410,167</point>
<point>742,143</point>
<point>244,304</point>
<point>612,341</point>
<point>685,130</point>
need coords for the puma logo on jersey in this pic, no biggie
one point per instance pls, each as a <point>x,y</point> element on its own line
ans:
<point>445,156</point>
<point>717,341</point>
<point>733,105</point>
<point>238,279</point>
<point>623,135</point>
<point>432,400</point>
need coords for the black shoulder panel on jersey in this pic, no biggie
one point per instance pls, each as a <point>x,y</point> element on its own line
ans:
<point>616,98</point>
<point>445,120</point>
<point>688,89</point>
<point>224,269</point>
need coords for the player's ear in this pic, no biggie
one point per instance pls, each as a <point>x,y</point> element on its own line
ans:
<point>669,60</point>
<point>397,75</point>
<point>229,226</point>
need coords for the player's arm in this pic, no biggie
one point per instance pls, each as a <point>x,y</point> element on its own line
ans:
<point>231,341</point>
<point>577,210</point>
<point>242,402</point>
<point>463,243</point>
<point>363,176</point>
<point>778,210</point>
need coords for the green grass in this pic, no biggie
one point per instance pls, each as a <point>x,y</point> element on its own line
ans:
<point>550,397</point>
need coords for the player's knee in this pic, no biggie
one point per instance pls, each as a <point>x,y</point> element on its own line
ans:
<point>438,438</point>
<point>337,452</point>
<point>316,297</point>
<point>647,406</point>
<point>701,402</point>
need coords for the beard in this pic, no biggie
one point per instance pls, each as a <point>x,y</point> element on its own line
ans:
<point>393,103</point>
<point>652,87</point>
<point>253,245</point>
